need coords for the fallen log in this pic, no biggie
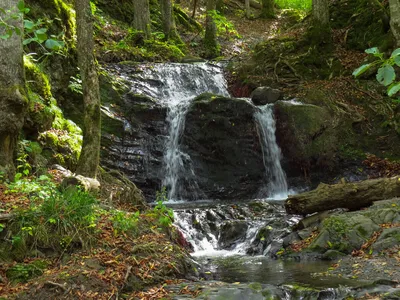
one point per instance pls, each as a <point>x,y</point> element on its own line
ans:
<point>353,196</point>
<point>6,217</point>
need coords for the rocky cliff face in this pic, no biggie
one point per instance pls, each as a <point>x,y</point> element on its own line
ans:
<point>222,140</point>
<point>133,140</point>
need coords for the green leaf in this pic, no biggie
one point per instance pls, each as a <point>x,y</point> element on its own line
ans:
<point>357,72</point>
<point>41,36</point>
<point>28,41</point>
<point>395,52</point>
<point>373,50</point>
<point>29,24</point>
<point>54,44</point>
<point>397,60</point>
<point>41,31</point>
<point>393,89</point>
<point>21,6</point>
<point>386,75</point>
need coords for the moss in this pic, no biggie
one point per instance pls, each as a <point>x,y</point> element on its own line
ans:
<point>24,272</point>
<point>64,139</point>
<point>37,81</point>
<point>59,17</point>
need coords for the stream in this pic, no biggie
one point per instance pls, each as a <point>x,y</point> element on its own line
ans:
<point>234,242</point>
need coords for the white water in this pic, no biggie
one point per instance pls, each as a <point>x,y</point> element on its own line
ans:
<point>277,187</point>
<point>179,85</point>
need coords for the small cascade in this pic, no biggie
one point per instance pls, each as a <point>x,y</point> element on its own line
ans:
<point>225,229</point>
<point>277,186</point>
<point>176,85</point>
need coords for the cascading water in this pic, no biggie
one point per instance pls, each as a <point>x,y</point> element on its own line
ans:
<point>277,186</point>
<point>231,241</point>
<point>177,85</point>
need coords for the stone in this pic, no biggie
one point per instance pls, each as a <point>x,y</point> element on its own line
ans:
<point>231,233</point>
<point>221,138</point>
<point>265,95</point>
<point>390,237</point>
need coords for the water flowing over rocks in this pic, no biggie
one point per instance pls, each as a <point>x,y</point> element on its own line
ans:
<point>256,227</point>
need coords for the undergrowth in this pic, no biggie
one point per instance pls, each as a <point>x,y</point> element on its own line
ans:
<point>295,4</point>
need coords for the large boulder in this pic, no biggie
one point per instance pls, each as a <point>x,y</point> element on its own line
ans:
<point>265,95</point>
<point>308,137</point>
<point>221,138</point>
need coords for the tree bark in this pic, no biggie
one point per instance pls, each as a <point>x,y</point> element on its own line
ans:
<point>141,17</point>
<point>90,154</point>
<point>12,91</point>
<point>268,9</point>
<point>210,39</point>
<point>353,196</point>
<point>168,22</point>
<point>320,12</point>
<point>194,8</point>
<point>394,6</point>
<point>247,8</point>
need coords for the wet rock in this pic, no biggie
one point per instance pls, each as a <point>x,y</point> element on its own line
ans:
<point>389,238</point>
<point>231,233</point>
<point>134,143</point>
<point>290,239</point>
<point>265,95</point>
<point>221,138</point>
<point>344,233</point>
<point>332,255</point>
<point>307,137</point>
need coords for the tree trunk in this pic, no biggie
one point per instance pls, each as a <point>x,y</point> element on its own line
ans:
<point>320,12</point>
<point>345,195</point>
<point>248,12</point>
<point>210,39</point>
<point>268,9</point>
<point>394,6</point>
<point>12,91</point>
<point>141,17</point>
<point>168,22</point>
<point>90,154</point>
<point>194,8</point>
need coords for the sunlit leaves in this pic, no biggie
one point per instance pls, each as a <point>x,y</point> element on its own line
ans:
<point>393,89</point>
<point>362,70</point>
<point>386,75</point>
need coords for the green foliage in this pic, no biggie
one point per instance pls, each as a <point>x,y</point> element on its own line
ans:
<point>386,74</point>
<point>125,222</point>
<point>224,26</point>
<point>23,166</point>
<point>304,5</point>
<point>164,215</point>
<point>24,272</point>
<point>34,31</point>
<point>55,219</point>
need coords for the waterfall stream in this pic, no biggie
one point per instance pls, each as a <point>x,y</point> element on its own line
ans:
<point>277,186</point>
<point>178,85</point>
<point>237,239</point>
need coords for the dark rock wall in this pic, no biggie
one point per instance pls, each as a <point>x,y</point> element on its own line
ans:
<point>222,140</point>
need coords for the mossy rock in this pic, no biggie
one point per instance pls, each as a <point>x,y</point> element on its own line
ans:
<point>23,272</point>
<point>344,233</point>
<point>307,135</point>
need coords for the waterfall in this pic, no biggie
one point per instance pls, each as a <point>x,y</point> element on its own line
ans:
<point>176,85</point>
<point>277,186</point>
